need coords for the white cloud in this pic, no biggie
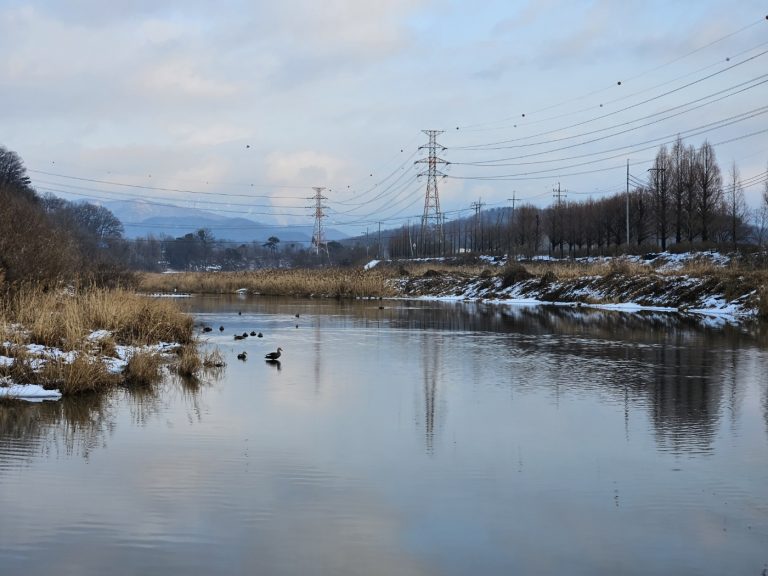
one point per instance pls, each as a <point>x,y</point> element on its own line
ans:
<point>184,78</point>
<point>305,167</point>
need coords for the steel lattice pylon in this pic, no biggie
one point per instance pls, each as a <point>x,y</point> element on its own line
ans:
<point>431,233</point>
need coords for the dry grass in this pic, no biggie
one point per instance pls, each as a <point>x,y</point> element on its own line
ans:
<point>143,369</point>
<point>213,359</point>
<point>65,320</point>
<point>84,374</point>
<point>327,282</point>
<point>189,363</point>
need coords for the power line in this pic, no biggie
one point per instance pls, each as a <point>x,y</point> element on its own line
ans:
<point>631,106</point>
<point>161,189</point>
<point>614,85</point>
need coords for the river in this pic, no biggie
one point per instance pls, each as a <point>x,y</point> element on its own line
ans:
<point>407,438</point>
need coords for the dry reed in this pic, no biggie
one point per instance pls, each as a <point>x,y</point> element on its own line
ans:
<point>143,368</point>
<point>84,374</point>
<point>189,362</point>
<point>328,282</point>
<point>65,320</point>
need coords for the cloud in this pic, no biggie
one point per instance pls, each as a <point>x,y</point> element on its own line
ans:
<point>306,167</point>
<point>183,78</point>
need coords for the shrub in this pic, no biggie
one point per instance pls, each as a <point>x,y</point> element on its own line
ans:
<point>189,362</point>
<point>143,369</point>
<point>512,273</point>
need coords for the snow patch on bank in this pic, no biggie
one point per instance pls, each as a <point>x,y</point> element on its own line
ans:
<point>38,355</point>
<point>29,392</point>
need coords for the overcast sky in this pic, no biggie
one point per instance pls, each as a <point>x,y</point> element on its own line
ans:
<point>245,106</point>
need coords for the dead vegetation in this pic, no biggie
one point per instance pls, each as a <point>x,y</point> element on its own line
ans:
<point>325,282</point>
<point>69,340</point>
<point>651,282</point>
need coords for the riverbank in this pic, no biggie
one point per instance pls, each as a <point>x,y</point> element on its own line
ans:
<point>67,342</point>
<point>708,283</point>
<point>702,283</point>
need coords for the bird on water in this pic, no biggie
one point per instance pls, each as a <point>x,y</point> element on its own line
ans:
<point>241,356</point>
<point>274,355</point>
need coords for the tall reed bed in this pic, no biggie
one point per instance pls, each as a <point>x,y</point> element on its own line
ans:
<point>66,321</point>
<point>324,282</point>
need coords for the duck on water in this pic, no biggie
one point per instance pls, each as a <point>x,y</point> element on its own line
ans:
<point>274,355</point>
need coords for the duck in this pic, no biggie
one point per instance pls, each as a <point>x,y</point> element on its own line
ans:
<point>238,337</point>
<point>253,333</point>
<point>241,356</point>
<point>221,328</point>
<point>207,329</point>
<point>274,355</point>
<point>260,335</point>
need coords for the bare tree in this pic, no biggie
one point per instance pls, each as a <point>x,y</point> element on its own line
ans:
<point>736,207</point>
<point>710,191</point>
<point>690,183</point>
<point>658,183</point>
<point>676,182</point>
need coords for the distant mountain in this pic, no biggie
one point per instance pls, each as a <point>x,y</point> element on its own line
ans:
<point>134,211</point>
<point>143,218</point>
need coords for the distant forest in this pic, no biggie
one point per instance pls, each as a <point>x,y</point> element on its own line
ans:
<point>687,202</point>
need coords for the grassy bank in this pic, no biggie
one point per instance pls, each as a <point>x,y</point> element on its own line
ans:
<point>695,283</point>
<point>324,282</point>
<point>88,340</point>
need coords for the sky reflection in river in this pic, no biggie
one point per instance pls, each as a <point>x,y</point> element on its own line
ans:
<point>413,439</point>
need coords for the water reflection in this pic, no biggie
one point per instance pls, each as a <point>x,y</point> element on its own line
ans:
<point>276,365</point>
<point>431,358</point>
<point>421,438</point>
<point>76,426</point>
<point>70,426</point>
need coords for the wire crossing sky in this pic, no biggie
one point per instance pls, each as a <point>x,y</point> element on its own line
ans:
<point>241,108</point>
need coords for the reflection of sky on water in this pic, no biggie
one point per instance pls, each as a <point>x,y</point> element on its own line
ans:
<point>411,442</point>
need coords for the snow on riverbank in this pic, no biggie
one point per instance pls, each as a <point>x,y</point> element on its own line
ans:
<point>28,392</point>
<point>660,289</point>
<point>37,356</point>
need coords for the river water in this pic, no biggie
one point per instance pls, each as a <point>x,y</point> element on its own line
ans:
<point>401,438</point>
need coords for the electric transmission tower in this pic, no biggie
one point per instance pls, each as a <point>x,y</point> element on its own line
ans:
<point>432,219</point>
<point>318,236</point>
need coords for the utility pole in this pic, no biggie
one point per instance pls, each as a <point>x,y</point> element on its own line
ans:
<point>511,221</point>
<point>660,192</point>
<point>559,195</point>
<point>318,236</point>
<point>410,242</point>
<point>627,205</point>
<point>477,207</point>
<point>431,220</point>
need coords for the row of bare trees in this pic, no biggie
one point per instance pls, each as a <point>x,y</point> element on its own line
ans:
<point>683,200</point>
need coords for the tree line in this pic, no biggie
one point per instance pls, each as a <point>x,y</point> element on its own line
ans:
<point>684,201</point>
<point>45,239</point>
